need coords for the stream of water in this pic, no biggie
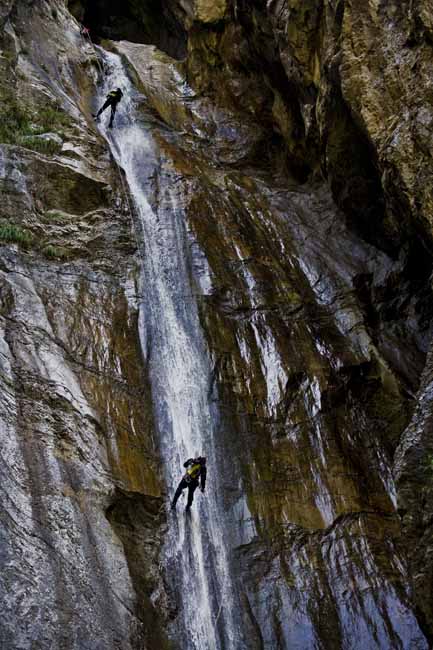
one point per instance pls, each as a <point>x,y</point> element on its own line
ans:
<point>196,557</point>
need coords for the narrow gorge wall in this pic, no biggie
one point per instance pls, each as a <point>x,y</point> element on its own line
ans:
<point>77,431</point>
<point>288,155</point>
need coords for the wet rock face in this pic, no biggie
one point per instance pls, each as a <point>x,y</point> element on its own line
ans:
<point>362,120</point>
<point>312,415</point>
<point>298,138</point>
<point>413,471</point>
<point>316,366</point>
<point>354,107</point>
<point>76,427</point>
<point>210,12</point>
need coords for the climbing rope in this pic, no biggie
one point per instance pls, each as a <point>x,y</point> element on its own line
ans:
<point>219,614</point>
<point>126,197</point>
<point>86,38</point>
<point>221,604</point>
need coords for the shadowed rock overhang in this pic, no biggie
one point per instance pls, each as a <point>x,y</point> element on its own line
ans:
<point>139,22</point>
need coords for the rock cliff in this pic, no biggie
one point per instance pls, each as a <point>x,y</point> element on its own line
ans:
<point>293,141</point>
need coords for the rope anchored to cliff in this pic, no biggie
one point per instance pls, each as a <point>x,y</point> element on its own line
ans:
<point>126,197</point>
<point>85,35</point>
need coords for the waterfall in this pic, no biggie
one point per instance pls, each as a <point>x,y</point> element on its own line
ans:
<point>196,556</point>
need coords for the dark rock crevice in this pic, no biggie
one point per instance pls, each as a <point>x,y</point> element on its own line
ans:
<point>138,522</point>
<point>354,178</point>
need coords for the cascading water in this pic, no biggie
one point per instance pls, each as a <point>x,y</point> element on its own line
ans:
<point>196,556</point>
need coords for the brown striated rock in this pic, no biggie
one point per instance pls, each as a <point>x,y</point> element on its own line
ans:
<point>287,161</point>
<point>390,97</point>
<point>311,393</point>
<point>413,472</point>
<point>208,11</point>
<point>165,86</point>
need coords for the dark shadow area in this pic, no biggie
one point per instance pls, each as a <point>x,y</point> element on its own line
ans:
<point>139,22</point>
<point>352,172</point>
<point>261,57</point>
<point>137,520</point>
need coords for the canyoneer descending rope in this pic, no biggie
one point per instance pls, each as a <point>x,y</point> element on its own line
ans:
<point>113,98</point>
<point>85,32</point>
<point>195,471</point>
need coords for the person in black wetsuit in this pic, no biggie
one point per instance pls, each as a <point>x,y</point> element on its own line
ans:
<point>195,474</point>
<point>113,98</point>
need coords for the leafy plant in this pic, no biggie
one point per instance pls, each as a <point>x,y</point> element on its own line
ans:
<point>14,121</point>
<point>9,56</point>
<point>54,216</point>
<point>18,125</point>
<point>55,252</point>
<point>49,147</point>
<point>51,117</point>
<point>11,233</point>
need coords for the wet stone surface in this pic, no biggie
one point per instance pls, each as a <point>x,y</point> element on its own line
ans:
<point>241,269</point>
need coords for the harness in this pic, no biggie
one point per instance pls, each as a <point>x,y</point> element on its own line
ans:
<point>193,473</point>
<point>115,95</point>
